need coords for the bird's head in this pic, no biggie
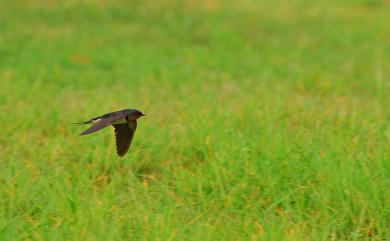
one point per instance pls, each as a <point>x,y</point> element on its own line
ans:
<point>134,114</point>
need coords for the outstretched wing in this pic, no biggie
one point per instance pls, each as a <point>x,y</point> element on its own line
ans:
<point>106,120</point>
<point>124,135</point>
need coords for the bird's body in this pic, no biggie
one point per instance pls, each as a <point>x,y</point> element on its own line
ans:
<point>124,123</point>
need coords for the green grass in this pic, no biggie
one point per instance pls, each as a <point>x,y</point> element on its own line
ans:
<point>266,120</point>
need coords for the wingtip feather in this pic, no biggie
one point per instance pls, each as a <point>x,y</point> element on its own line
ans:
<point>83,133</point>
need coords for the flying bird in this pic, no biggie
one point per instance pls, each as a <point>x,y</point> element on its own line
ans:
<point>124,123</point>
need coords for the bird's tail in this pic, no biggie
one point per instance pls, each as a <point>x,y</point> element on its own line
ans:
<point>91,121</point>
<point>82,122</point>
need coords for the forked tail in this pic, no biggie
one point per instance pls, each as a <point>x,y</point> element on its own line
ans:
<point>82,122</point>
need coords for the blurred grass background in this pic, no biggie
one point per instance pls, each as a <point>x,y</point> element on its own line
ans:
<point>266,120</point>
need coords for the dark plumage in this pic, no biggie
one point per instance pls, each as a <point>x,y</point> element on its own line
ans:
<point>124,122</point>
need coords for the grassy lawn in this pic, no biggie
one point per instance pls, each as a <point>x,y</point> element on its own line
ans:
<point>266,120</point>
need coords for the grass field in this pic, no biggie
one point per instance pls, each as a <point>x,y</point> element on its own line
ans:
<point>266,120</point>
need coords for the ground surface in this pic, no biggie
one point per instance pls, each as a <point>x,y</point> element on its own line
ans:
<point>266,120</point>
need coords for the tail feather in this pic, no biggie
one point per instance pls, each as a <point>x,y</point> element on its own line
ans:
<point>82,122</point>
<point>91,121</point>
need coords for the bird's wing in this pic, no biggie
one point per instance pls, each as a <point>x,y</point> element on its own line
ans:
<point>105,121</point>
<point>124,135</point>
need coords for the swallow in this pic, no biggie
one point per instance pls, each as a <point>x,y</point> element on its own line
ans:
<point>124,123</point>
